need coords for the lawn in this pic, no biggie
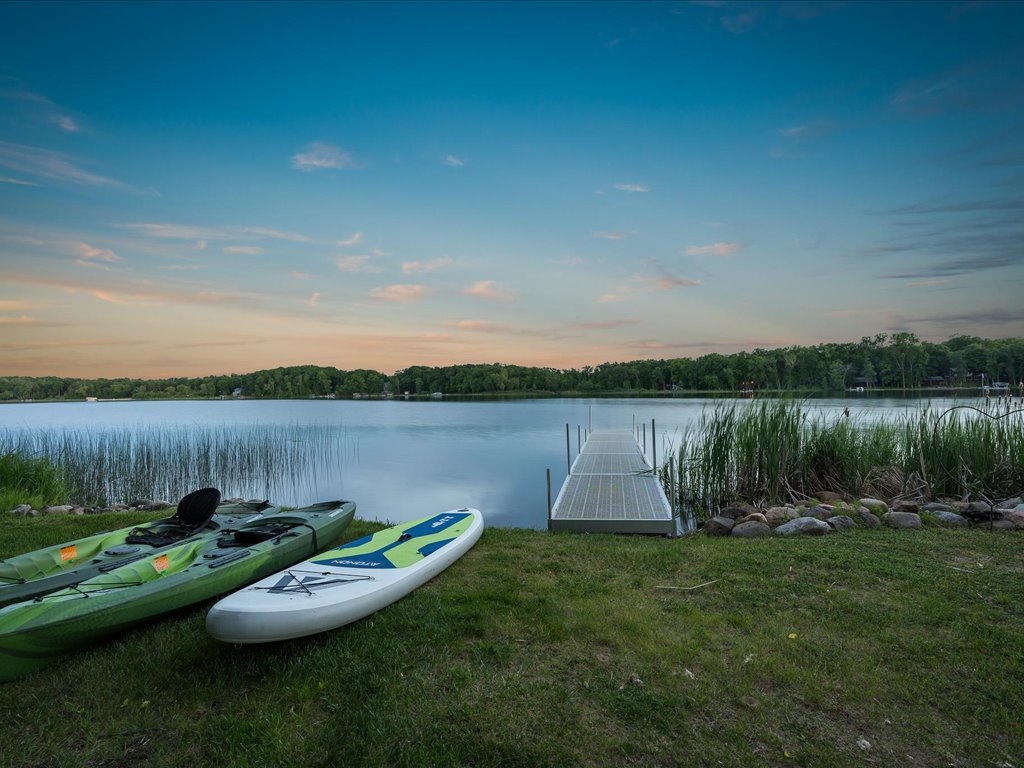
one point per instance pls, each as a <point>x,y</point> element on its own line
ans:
<point>559,650</point>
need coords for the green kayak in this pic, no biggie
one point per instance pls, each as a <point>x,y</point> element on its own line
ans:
<point>35,632</point>
<point>199,515</point>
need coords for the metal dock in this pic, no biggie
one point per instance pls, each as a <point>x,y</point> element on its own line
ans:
<point>611,488</point>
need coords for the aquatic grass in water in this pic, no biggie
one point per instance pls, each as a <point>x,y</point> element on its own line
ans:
<point>775,452</point>
<point>119,465</point>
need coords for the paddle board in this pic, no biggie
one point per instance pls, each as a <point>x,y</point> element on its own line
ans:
<point>345,584</point>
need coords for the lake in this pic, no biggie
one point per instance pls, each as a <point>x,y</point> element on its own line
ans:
<point>399,459</point>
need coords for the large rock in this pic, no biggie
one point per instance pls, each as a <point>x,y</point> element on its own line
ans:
<point>936,506</point>
<point>1014,501</point>
<point>755,517</point>
<point>980,510</point>
<point>57,509</point>
<point>868,518</point>
<point>949,519</point>
<point>1016,517</point>
<point>21,509</point>
<point>841,523</point>
<point>141,503</point>
<point>902,520</point>
<point>877,506</point>
<point>736,511</point>
<point>752,529</point>
<point>905,505</point>
<point>719,526</point>
<point>819,513</point>
<point>779,515</point>
<point>806,526</point>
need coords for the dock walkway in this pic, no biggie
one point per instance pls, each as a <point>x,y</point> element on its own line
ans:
<point>611,488</point>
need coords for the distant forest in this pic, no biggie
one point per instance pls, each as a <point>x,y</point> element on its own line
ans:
<point>896,361</point>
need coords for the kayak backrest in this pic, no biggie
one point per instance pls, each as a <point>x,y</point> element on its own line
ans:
<point>196,509</point>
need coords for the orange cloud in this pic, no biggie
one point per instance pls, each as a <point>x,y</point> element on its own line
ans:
<point>490,290</point>
<point>401,293</point>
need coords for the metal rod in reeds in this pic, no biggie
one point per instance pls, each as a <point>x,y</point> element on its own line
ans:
<point>549,498</point>
<point>568,452</point>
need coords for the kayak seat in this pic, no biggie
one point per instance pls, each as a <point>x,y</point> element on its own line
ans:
<point>194,511</point>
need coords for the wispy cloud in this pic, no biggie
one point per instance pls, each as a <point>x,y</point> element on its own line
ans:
<point>490,290</point>
<point>15,305</point>
<point>603,325</point>
<point>202,233</point>
<point>479,326</point>
<point>357,263</point>
<point>714,249</point>
<point>454,162</point>
<point>632,187</point>
<point>665,282</point>
<point>424,267</point>
<point>243,250</point>
<point>49,110</point>
<point>19,182</point>
<point>741,22</point>
<point>318,155</point>
<point>98,258</point>
<point>56,166</point>
<point>608,298</point>
<point>401,293</point>
<point>612,235</point>
<point>815,129</point>
<point>301,275</point>
<point>355,239</point>
<point>933,281</point>
<point>66,123</point>
<point>314,298</point>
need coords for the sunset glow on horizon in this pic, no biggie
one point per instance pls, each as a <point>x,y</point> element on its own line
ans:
<point>194,189</point>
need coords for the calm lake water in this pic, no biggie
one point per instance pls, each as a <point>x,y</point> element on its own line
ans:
<point>399,460</point>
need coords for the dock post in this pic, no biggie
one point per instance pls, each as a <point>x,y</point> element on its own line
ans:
<point>568,453</point>
<point>590,420</point>
<point>644,425</point>
<point>549,498</point>
<point>654,446</point>
<point>579,441</point>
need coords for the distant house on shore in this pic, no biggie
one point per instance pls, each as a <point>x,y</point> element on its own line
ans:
<point>236,392</point>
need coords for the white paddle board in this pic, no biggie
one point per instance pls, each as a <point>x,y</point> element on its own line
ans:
<point>345,584</point>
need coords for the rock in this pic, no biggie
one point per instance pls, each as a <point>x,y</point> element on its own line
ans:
<point>21,509</point>
<point>160,505</point>
<point>77,511</point>
<point>143,503</point>
<point>827,496</point>
<point>905,506</point>
<point>117,508</point>
<point>752,529</point>
<point>949,519</point>
<point>734,512</point>
<point>1016,517</point>
<point>57,509</point>
<point>94,510</point>
<point>875,505</point>
<point>868,518</point>
<point>1012,502</point>
<point>819,513</point>
<point>995,525</point>
<point>779,515</point>
<point>936,506</point>
<point>756,516</point>
<point>807,526</point>
<point>979,510</point>
<point>902,520</point>
<point>841,523</point>
<point>719,526</point>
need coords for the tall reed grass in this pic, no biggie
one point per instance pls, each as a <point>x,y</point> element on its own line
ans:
<point>99,467</point>
<point>779,451</point>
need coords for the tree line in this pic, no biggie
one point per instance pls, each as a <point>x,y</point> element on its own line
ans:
<point>890,361</point>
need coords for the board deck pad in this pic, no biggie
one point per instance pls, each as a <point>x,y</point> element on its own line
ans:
<point>400,546</point>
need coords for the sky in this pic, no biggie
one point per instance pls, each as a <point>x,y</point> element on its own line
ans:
<point>191,189</point>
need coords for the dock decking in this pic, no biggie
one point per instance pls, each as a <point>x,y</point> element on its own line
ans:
<point>611,488</point>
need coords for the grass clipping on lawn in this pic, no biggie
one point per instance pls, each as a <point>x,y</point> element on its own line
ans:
<point>873,647</point>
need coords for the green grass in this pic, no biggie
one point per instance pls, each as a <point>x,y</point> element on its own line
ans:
<point>27,479</point>
<point>111,465</point>
<point>559,650</point>
<point>780,451</point>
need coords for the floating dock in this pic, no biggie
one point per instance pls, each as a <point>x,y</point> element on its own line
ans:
<point>611,488</point>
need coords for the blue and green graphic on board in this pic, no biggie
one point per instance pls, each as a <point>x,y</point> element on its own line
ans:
<point>400,546</point>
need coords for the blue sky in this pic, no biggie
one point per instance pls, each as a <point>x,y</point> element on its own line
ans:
<point>200,188</point>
